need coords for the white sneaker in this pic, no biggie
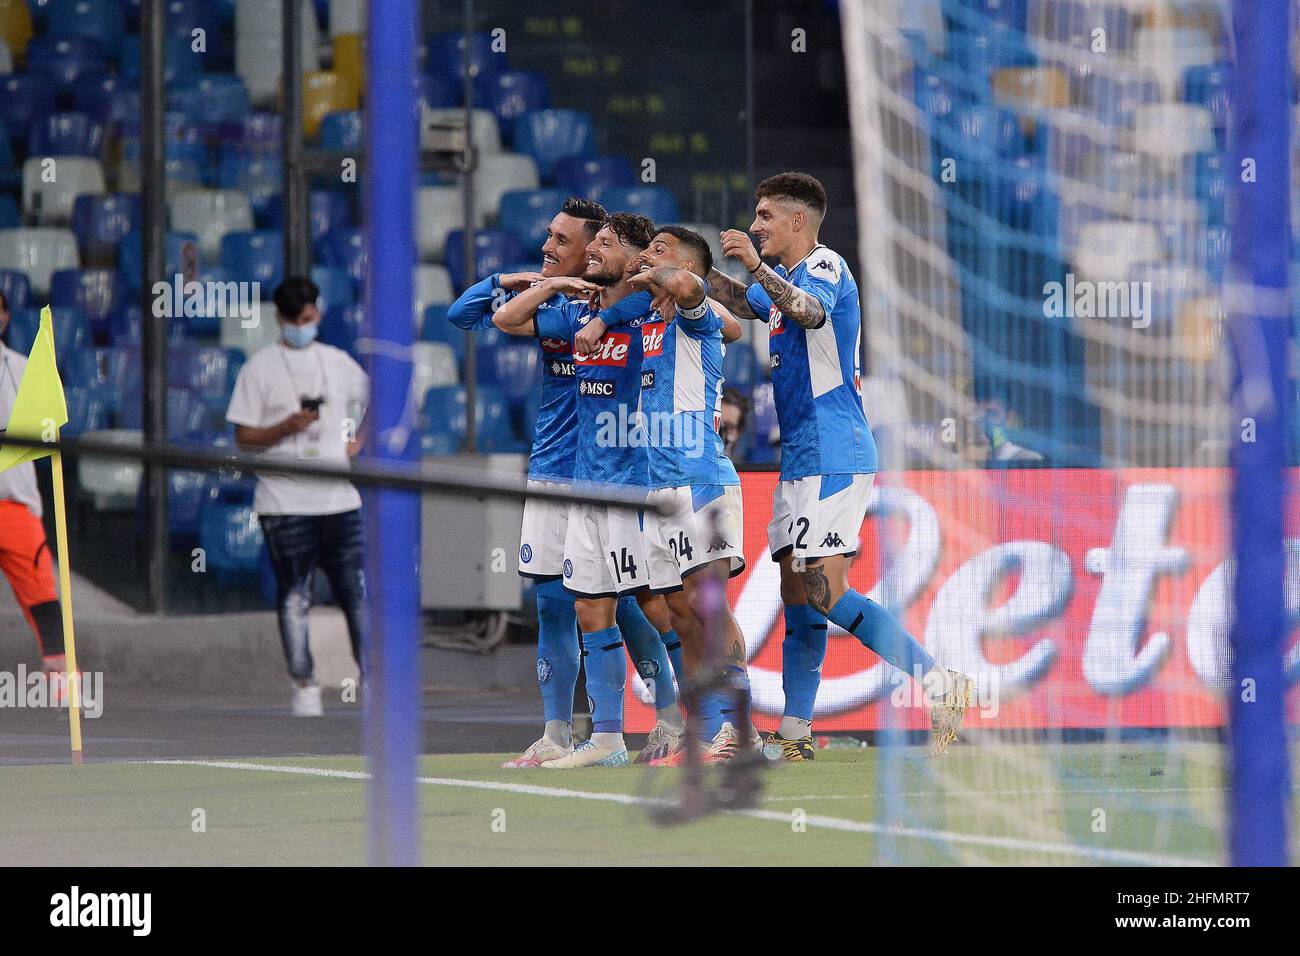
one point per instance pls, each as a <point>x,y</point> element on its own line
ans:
<point>663,740</point>
<point>541,751</point>
<point>591,754</point>
<point>306,702</point>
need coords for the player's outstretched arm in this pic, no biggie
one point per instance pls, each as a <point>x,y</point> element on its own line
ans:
<point>517,316</point>
<point>472,309</point>
<point>730,293</point>
<point>795,304</point>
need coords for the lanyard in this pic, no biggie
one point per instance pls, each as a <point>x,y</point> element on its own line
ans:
<point>320,363</point>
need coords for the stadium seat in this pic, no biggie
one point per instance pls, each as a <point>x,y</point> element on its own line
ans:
<point>483,127</point>
<point>9,217</point>
<point>211,214</point>
<point>346,16</point>
<point>1171,287</point>
<point>181,64</point>
<point>256,256</point>
<point>96,293</point>
<point>527,213</point>
<point>449,54</point>
<point>443,420</point>
<point>335,287</point>
<point>24,99</point>
<point>16,27</point>
<point>324,92</point>
<point>438,211</point>
<point>493,249</point>
<point>88,410</point>
<point>101,222</point>
<point>995,46</point>
<point>112,482</point>
<point>212,100</point>
<point>1106,250</point>
<point>61,61</point>
<point>349,60</point>
<point>262,130</point>
<point>186,493</point>
<point>433,365</point>
<point>1072,22</point>
<point>340,326</point>
<point>432,286</point>
<point>496,175</point>
<point>739,367</point>
<point>67,134</point>
<point>1211,184</point>
<point>656,203</point>
<point>1115,95</point>
<point>1170,51</point>
<point>1209,85</point>
<point>126,327</point>
<point>986,133</point>
<point>39,253</point>
<point>259,49</point>
<point>1213,251</point>
<point>231,537</point>
<point>181,255</point>
<point>259,174</point>
<point>590,176</point>
<point>341,131</point>
<point>16,287</point>
<point>436,328</point>
<point>110,100</point>
<point>1030,89</point>
<point>433,91</point>
<point>72,334</point>
<point>509,95</point>
<point>49,203</point>
<point>552,135</point>
<point>1171,131</point>
<point>346,248</point>
<point>517,368</point>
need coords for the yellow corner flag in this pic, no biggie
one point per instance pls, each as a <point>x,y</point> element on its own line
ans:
<point>39,412</point>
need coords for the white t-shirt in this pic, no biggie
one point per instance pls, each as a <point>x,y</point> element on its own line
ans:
<point>269,389</point>
<point>19,483</point>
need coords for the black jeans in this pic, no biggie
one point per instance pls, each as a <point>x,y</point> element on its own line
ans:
<point>297,545</point>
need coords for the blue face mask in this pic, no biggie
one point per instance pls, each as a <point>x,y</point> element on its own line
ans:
<point>300,336</point>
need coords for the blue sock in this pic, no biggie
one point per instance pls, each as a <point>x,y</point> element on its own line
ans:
<point>802,653</point>
<point>557,650</point>
<point>881,632</point>
<point>710,714</point>
<point>606,677</point>
<point>647,648</point>
<point>737,678</point>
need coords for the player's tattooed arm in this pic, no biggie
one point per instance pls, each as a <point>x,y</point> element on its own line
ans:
<point>730,293</point>
<point>731,329</point>
<point>685,288</point>
<point>817,587</point>
<point>517,316</point>
<point>795,304</point>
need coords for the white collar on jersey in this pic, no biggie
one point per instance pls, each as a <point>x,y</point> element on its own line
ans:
<point>820,245</point>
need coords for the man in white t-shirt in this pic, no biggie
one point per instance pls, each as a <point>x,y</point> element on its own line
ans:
<point>303,401</point>
<point>24,553</point>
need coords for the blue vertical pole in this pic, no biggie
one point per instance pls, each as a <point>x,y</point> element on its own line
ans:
<point>392,517</point>
<point>1259,319</point>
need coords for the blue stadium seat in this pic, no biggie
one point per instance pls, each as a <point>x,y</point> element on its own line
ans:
<point>495,430</point>
<point>17,288</point>
<point>437,92</point>
<point>207,371</point>
<point>341,131</point>
<point>182,251</point>
<point>1213,252</point>
<point>340,326</point>
<point>71,332</point>
<point>985,133</point>
<point>330,209</point>
<point>1211,177</point>
<point>493,249</point>
<point>346,248</point>
<point>24,99</point>
<point>6,150</point>
<point>186,16</point>
<point>656,203</point>
<point>232,540</point>
<point>114,371</point>
<point>186,493</point>
<point>590,176</point>
<point>100,20</point>
<point>1115,97</point>
<point>936,95</point>
<point>181,64</point>
<point>62,61</point>
<point>101,222</point>
<point>1209,85</point>
<point>527,213</point>
<point>552,135</point>
<point>111,100</point>
<point>764,424</point>
<point>997,45</point>
<point>125,327</point>
<point>261,130</point>
<point>449,55</point>
<point>443,420</point>
<point>259,174</point>
<point>67,134</point>
<point>213,100</point>
<point>436,328</point>
<point>256,256</point>
<point>967,13</point>
<point>9,217</point>
<point>517,368</point>
<point>509,95</point>
<point>740,367</point>
<point>336,291</point>
<point>88,410</point>
<point>98,293</point>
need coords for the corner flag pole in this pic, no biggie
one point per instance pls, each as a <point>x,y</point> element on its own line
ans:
<point>65,603</point>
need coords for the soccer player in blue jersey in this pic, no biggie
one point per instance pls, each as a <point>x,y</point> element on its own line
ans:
<point>828,461</point>
<point>541,548</point>
<point>681,404</point>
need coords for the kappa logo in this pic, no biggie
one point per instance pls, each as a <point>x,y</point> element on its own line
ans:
<point>526,553</point>
<point>612,350</point>
<point>832,540</point>
<point>592,389</point>
<point>823,264</point>
<point>652,339</point>
<point>719,544</point>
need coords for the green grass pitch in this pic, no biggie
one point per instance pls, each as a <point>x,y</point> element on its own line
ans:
<point>1080,804</point>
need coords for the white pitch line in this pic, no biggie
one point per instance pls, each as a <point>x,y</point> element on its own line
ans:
<point>1105,791</point>
<point>814,820</point>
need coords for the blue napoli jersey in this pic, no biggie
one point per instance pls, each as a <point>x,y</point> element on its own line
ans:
<point>681,400</point>
<point>815,373</point>
<point>610,443</point>
<point>554,439</point>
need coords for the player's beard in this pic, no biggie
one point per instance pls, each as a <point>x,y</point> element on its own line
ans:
<point>605,277</point>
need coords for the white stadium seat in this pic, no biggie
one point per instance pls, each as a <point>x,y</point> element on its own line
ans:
<point>114,482</point>
<point>39,253</point>
<point>1170,131</point>
<point>258,52</point>
<point>347,16</point>
<point>484,132</point>
<point>432,286</point>
<point>498,174</point>
<point>50,203</point>
<point>437,213</point>
<point>210,214</point>
<point>1107,250</point>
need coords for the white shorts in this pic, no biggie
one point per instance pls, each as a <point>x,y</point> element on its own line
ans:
<point>680,543</point>
<point>541,539</point>
<point>604,551</point>
<point>818,516</point>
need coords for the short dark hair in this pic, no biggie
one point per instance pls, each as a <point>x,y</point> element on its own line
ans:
<point>293,295</point>
<point>799,187</point>
<point>631,229</point>
<point>699,246</point>
<point>591,213</point>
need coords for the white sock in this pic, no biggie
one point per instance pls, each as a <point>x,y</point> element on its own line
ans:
<point>670,717</point>
<point>560,733</point>
<point>608,741</point>
<point>795,728</point>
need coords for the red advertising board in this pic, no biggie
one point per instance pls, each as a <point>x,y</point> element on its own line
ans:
<point>1077,598</point>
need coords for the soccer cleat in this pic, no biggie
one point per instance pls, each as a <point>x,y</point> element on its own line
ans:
<point>724,746</point>
<point>306,702</point>
<point>947,716</point>
<point>543,750</point>
<point>663,741</point>
<point>589,754</point>
<point>800,748</point>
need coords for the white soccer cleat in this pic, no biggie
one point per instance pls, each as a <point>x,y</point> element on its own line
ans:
<point>542,750</point>
<point>306,702</point>
<point>663,740</point>
<point>591,754</point>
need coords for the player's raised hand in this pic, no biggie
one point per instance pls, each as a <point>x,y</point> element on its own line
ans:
<point>738,245</point>
<point>572,286</point>
<point>519,281</point>
<point>588,338</point>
